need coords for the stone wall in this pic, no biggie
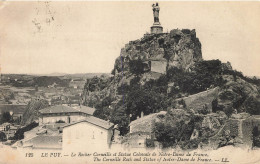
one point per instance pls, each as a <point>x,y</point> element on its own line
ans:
<point>136,140</point>
<point>158,66</point>
<point>197,101</point>
<point>247,128</point>
<point>241,129</point>
<point>234,127</point>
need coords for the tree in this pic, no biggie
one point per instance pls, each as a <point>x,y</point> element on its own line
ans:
<point>174,128</point>
<point>149,143</point>
<point>102,113</point>
<point>136,66</point>
<point>2,136</point>
<point>6,117</point>
<point>20,132</point>
<point>229,110</point>
<point>102,109</point>
<point>252,105</point>
<point>143,100</point>
<point>119,117</point>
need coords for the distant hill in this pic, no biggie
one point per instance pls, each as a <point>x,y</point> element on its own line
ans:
<point>23,80</point>
<point>75,75</point>
<point>87,75</point>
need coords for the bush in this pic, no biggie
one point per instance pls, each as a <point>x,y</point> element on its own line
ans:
<point>136,67</point>
<point>5,117</point>
<point>141,100</point>
<point>195,81</point>
<point>2,136</point>
<point>228,111</point>
<point>150,143</point>
<point>204,110</point>
<point>20,132</point>
<point>252,105</point>
<point>190,144</point>
<point>174,129</point>
<point>215,107</point>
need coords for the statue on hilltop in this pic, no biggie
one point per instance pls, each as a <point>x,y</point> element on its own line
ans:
<point>156,28</point>
<point>156,10</point>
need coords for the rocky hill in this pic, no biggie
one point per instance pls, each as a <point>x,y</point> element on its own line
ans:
<point>159,52</point>
<point>166,71</point>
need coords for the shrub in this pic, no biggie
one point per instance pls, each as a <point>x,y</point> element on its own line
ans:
<point>204,110</point>
<point>136,67</point>
<point>150,143</point>
<point>20,132</point>
<point>228,111</point>
<point>2,136</point>
<point>252,105</point>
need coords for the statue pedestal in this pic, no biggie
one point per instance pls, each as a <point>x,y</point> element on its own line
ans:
<point>156,28</point>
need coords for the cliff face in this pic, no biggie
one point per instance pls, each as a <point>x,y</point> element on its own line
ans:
<point>179,48</point>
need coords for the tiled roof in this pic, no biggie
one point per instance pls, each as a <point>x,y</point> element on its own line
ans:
<point>67,109</point>
<point>86,109</point>
<point>58,109</point>
<point>95,121</point>
<point>45,142</point>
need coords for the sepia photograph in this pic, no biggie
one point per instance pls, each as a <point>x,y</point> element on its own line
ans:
<point>130,82</point>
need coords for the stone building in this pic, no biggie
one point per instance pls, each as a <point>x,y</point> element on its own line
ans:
<point>141,130</point>
<point>91,133</point>
<point>66,114</point>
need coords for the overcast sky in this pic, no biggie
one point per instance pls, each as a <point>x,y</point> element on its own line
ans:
<point>86,37</point>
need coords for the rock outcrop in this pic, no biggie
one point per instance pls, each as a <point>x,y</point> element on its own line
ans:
<point>159,52</point>
<point>238,95</point>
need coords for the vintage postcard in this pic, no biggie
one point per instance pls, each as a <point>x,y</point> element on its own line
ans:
<point>129,82</point>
